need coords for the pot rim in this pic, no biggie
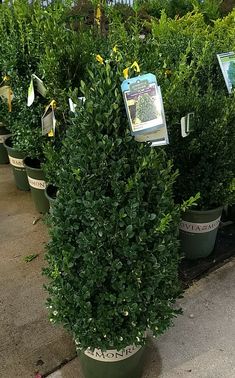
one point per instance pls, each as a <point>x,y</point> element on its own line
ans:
<point>204,212</point>
<point>47,194</point>
<point>30,166</point>
<point>7,146</point>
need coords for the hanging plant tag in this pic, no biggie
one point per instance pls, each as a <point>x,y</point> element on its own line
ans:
<point>82,100</point>
<point>4,91</point>
<point>187,124</point>
<point>72,105</point>
<point>40,89</point>
<point>7,94</point>
<point>47,123</point>
<point>49,120</point>
<point>31,94</point>
<point>144,107</point>
<point>227,65</point>
<point>40,86</point>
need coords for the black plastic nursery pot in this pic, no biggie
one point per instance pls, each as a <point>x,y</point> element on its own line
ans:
<point>198,231</point>
<point>231,212</point>
<point>17,162</point>
<point>50,193</point>
<point>4,134</point>
<point>127,363</point>
<point>37,184</point>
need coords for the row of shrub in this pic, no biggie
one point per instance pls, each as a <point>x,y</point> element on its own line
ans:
<point>114,251</point>
<point>211,9</point>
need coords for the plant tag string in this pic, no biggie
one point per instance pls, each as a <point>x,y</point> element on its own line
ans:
<point>48,120</point>
<point>145,111</point>
<point>187,124</point>
<point>40,89</point>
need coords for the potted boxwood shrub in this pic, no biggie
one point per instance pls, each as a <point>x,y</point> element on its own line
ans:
<point>192,82</point>
<point>4,132</point>
<point>113,256</point>
<point>205,160</point>
<point>53,28</point>
<point>31,36</point>
<point>18,56</point>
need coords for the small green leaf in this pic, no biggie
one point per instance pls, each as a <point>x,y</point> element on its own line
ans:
<point>30,258</point>
<point>129,229</point>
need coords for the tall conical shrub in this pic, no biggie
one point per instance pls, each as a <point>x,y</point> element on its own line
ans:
<point>113,256</point>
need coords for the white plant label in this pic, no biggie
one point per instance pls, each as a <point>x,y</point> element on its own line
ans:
<point>72,105</point>
<point>4,137</point>
<point>31,93</point>
<point>199,228</point>
<point>186,124</point>
<point>37,184</point>
<point>112,355</point>
<point>48,123</point>
<point>40,86</point>
<point>19,163</point>
<point>48,120</point>
<point>5,92</point>
<point>40,89</point>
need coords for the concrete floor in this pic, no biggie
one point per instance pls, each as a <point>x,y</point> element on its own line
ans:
<point>28,342</point>
<point>200,345</point>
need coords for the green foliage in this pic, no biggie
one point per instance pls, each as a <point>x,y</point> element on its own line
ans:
<point>191,81</point>
<point>113,256</point>
<point>40,40</point>
<point>27,130</point>
<point>4,116</point>
<point>211,9</point>
<point>172,7</point>
<point>145,108</point>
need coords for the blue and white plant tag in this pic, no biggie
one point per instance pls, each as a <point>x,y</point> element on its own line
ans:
<point>227,65</point>
<point>145,111</point>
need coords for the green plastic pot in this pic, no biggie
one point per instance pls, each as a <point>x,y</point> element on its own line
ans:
<point>198,231</point>
<point>50,193</point>
<point>37,184</point>
<point>16,160</point>
<point>109,364</point>
<point>4,134</point>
